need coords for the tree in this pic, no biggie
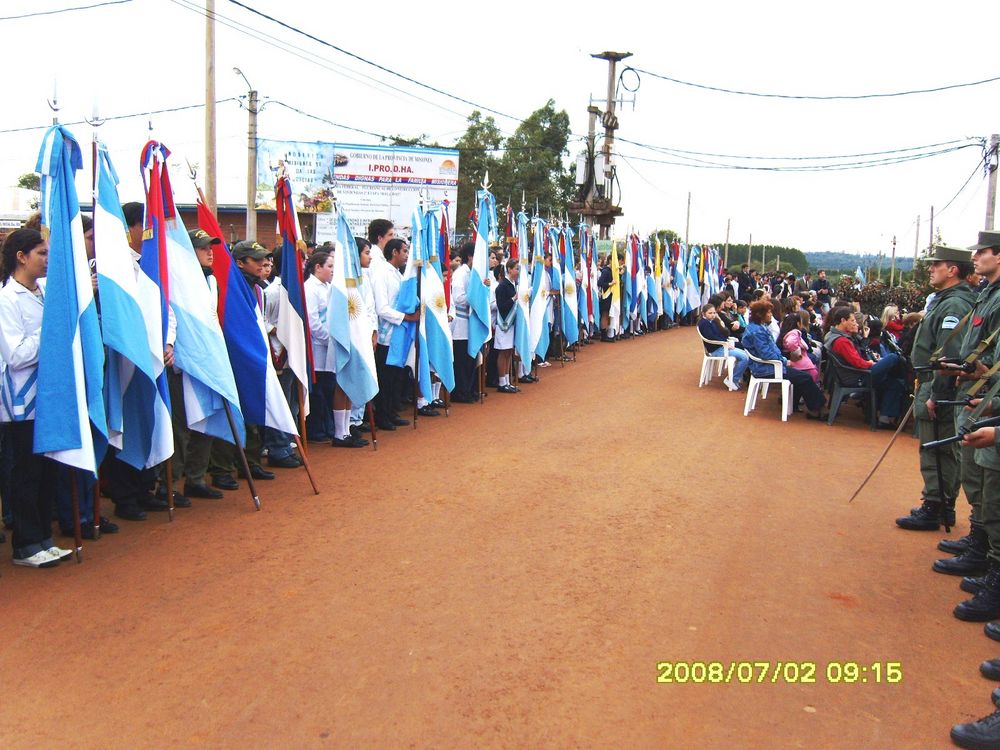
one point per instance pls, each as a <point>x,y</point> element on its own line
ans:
<point>477,153</point>
<point>533,161</point>
<point>29,181</point>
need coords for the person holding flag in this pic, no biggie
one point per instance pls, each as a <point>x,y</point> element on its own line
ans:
<point>480,316</point>
<point>386,281</point>
<point>540,286</point>
<point>522,326</point>
<point>23,265</point>
<point>350,327</point>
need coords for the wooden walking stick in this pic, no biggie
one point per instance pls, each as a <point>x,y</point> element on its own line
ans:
<point>75,499</point>
<point>243,455</point>
<point>305,463</point>
<point>371,425</point>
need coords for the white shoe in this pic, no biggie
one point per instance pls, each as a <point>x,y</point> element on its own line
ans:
<point>730,385</point>
<point>60,554</point>
<point>38,560</point>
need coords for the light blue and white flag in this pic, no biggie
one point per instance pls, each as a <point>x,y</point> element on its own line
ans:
<point>480,320</point>
<point>136,392</point>
<point>347,321</point>
<point>681,282</point>
<point>693,288</point>
<point>522,318</point>
<point>70,419</point>
<point>570,309</point>
<point>540,280</point>
<point>200,348</point>
<point>435,329</point>
<point>860,275</point>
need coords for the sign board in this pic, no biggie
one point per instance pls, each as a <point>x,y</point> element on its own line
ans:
<point>369,182</point>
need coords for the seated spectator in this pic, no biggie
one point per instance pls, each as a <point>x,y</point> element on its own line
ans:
<point>759,342</point>
<point>887,372</point>
<point>776,315</point>
<point>793,344</point>
<point>910,322</point>
<point>743,315</point>
<point>892,321</point>
<point>710,327</point>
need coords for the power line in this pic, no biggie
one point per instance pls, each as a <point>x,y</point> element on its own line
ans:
<point>147,113</point>
<point>320,62</point>
<point>63,10</point>
<point>835,97</point>
<point>384,69</point>
<point>679,151</point>
<point>701,164</point>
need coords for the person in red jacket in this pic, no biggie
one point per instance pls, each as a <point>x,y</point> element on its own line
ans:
<point>886,373</point>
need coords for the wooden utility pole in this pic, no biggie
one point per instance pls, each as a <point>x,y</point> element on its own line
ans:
<point>725,257</point>
<point>210,139</point>
<point>687,223</point>
<point>931,243</point>
<point>892,265</point>
<point>251,158</point>
<point>750,251</point>
<point>991,191</point>
<point>916,244</point>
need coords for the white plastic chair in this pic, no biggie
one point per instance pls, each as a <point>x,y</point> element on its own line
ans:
<point>760,385</point>
<point>708,361</point>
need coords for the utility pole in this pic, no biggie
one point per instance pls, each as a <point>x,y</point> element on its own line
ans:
<point>210,139</point>
<point>251,159</point>
<point>892,266</point>
<point>602,209</point>
<point>931,243</point>
<point>991,192</point>
<point>750,251</point>
<point>725,258</point>
<point>916,244</point>
<point>687,223</point>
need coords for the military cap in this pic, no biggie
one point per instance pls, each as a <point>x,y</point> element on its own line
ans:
<point>947,252</point>
<point>200,238</point>
<point>986,239</point>
<point>250,249</point>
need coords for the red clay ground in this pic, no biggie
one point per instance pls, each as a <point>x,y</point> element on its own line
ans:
<point>510,577</point>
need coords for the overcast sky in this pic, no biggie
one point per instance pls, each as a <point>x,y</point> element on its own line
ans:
<point>513,56</point>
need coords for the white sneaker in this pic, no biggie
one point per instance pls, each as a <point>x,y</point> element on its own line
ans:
<point>38,560</point>
<point>60,554</point>
<point>730,385</point>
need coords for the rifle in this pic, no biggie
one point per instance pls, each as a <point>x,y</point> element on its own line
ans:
<point>971,426</point>
<point>949,364</point>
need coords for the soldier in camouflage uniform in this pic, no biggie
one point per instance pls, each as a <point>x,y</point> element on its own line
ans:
<point>939,334</point>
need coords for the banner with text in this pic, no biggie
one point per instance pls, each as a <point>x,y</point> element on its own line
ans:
<point>370,182</point>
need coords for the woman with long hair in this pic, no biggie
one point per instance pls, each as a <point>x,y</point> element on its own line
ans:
<point>24,261</point>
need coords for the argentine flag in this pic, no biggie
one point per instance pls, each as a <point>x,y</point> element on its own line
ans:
<point>522,318</point>
<point>434,327</point>
<point>200,349</point>
<point>350,331</point>
<point>480,321</point>
<point>693,287</point>
<point>570,310</point>
<point>539,321</point>
<point>136,392</point>
<point>681,282</point>
<point>70,421</point>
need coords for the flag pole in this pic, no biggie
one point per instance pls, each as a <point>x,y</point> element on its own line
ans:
<point>75,498</point>
<point>418,265</point>
<point>302,414</point>
<point>371,425</point>
<point>95,123</point>
<point>305,463</point>
<point>243,455</point>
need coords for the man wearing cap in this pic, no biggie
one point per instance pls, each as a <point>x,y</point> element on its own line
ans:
<point>939,335</point>
<point>981,469</point>
<point>249,256</point>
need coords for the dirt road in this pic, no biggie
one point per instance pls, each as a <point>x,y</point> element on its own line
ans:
<point>510,576</point>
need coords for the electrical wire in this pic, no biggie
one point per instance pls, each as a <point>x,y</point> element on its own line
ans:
<point>147,113</point>
<point>836,97</point>
<point>63,10</point>
<point>366,61</point>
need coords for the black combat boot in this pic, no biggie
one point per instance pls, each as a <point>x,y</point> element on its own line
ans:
<point>930,516</point>
<point>985,605</point>
<point>979,735</point>
<point>992,630</point>
<point>972,562</point>
<point>990,669</point>
<point>996,697</point>
<point>956,546</point>
<point>972,584</point>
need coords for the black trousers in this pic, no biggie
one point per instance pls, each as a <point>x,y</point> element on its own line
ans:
<point>465,370</point>
<point>30,493</point>
<point>125,484</point>
<point>389,383</point>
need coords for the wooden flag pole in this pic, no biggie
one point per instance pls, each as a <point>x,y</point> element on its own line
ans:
<point>169,470</point>
<point>302,417</point>
<point>305,464</point>
<point>243,455</point>
<point>75,499</point>
<point>371,425</point>
<point>97,507</point>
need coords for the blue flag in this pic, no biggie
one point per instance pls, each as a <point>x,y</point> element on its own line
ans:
<point>70,421</point>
